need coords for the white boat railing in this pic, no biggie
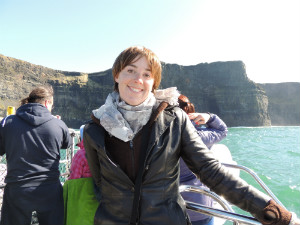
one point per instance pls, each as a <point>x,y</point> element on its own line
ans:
<point>206,191</point>
<point>236,218</point>
<point>257,179</point>
<point>228,213</point>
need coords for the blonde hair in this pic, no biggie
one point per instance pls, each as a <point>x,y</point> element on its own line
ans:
<point>130,54</point>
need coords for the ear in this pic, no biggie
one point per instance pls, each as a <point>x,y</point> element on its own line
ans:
<point>46,103</point>
<point>117,78</point>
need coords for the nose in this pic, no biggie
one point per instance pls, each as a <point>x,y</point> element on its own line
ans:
<point>138,77</point>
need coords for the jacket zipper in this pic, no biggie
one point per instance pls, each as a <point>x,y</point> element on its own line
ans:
<point>132,155</point>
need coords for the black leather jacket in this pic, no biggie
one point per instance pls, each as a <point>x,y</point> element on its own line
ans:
<point>172,136</point>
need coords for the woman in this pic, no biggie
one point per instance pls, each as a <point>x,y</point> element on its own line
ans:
<point>214,131</point>
<point>133,148</point>
<point>79,166</point>
<point>80,202</point>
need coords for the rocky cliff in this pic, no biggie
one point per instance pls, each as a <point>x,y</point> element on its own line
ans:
<point>221,87</point>
<point>284,103</point>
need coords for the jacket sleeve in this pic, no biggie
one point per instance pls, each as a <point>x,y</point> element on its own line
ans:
<point>215,131</point>
<point>67,140</point>
<point>91,152</point>
<point>201,161</point>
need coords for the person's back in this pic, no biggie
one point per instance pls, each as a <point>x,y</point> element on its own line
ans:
<point>31,140</point>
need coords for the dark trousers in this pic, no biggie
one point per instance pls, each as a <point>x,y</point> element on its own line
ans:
<point>19,203</point>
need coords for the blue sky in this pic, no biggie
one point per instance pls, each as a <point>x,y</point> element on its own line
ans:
<point>87,36</point>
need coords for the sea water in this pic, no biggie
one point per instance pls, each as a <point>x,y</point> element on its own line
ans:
<point>273,153</point>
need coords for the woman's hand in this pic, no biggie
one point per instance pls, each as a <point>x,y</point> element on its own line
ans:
<point>199,118</point>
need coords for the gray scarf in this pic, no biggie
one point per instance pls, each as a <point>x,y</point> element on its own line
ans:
<point>124,121</point>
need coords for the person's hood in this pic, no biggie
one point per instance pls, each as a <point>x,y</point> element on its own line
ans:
<point>34,113</point>
<point>80,144</point>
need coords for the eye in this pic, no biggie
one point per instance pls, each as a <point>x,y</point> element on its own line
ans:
<point>130,70</point>
<point>147,75</point>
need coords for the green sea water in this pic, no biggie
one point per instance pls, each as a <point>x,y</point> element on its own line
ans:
<point>273,153</point>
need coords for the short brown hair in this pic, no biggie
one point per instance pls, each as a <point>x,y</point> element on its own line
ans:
<point>128,55</point>
<point>185,104</point>
<point>39,95</point>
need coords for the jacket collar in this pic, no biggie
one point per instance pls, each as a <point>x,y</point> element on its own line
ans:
<point>162,120</point>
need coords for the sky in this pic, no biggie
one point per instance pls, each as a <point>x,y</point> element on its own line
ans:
<point>87,35</point>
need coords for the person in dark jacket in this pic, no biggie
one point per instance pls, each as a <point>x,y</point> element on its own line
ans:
<point>213,132</point>
<point>133,147</point>
<point>32,140</point>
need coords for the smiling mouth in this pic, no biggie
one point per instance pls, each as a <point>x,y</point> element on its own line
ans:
<point>136,90</point>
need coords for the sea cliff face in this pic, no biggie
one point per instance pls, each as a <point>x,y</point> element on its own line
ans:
<point>284,103</point>
<point>221,88</point>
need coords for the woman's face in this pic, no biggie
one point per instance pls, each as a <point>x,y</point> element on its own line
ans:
<point>135,82</point>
